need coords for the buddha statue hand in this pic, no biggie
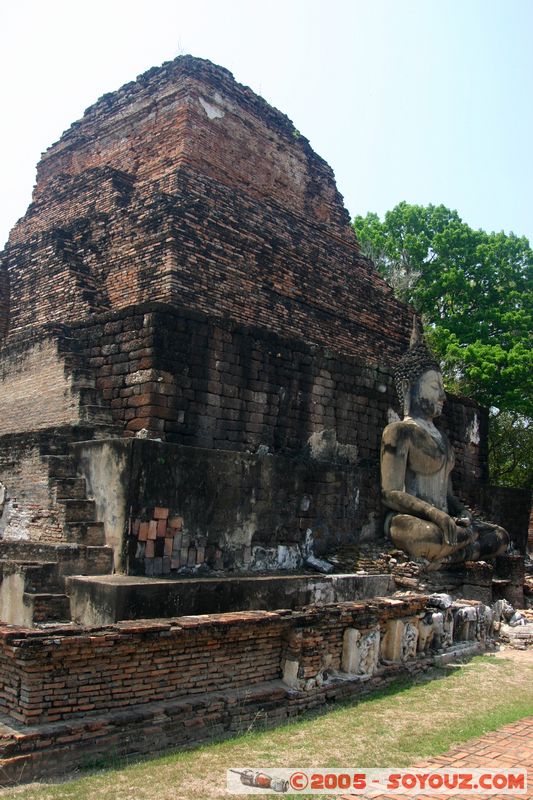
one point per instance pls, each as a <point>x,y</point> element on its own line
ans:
<point>448,526</point>
<point>456,531</point>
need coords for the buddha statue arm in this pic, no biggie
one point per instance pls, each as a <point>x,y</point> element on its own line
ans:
<point>394,456</point>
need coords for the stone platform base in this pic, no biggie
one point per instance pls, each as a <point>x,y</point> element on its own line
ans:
<point>104,599</point>
<point>474,580</point>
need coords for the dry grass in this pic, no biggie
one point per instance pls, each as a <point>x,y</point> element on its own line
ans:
<point>390,730</point>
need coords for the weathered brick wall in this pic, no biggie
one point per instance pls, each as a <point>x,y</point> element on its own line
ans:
<point>259,265</point>
<point>29,512</point>
<point>213,383</point>
<point>152,197</point>
<point>36,385</point>
<point>509,507</point>
<point>466,424</point>
<point>49,677</point>
<point>4,300</point>
<point>36,469</point>
<point>39,748</point>
<point>190,506</point>
<point>132,664</point>
<point>219,385</point>
<point>88,740</point>
<point>191,111</point>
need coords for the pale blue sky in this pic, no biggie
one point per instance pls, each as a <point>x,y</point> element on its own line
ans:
<point>428,101</point>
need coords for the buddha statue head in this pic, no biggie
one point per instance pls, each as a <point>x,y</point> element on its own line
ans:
<point>419,379</point>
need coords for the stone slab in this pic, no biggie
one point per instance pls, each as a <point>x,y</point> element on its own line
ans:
<point>100,600</point>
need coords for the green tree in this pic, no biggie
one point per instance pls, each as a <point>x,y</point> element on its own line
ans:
<point>474,292</point>
<point>511,449</point>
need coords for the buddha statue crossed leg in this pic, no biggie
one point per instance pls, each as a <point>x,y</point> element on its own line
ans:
<point>425,519</point>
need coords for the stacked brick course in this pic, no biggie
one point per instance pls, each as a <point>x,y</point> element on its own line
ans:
<point>50,676</point>
<point>212,383</point>
<point>220,384</point>
<point>216,385</point>
<point>30,513</point>
<point>228,510</point>
<point>37,385</point>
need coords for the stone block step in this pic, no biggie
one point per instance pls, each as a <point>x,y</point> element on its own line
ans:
<point>69,488</point>
<point>47,606</point>
<point>92,413</point>
<point>69,558</point>
<point>41,576</point>
<point>32,576</point>
<point>89,533</point>
<point>61,466</point>
<point>90,396</point>
<point>79,510</point>
<point>98,560</point>
<point>58,445</point>
<point>39,751</point>
<point>105,430</point>
<point>18,550</point>
<point>83,379</point>
<point>105,599</point>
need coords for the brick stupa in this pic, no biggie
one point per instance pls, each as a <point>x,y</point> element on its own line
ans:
<point>196,356</point>
<point>195,375</point>
<point>187,188</point>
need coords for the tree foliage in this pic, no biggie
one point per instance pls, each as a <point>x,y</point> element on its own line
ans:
<point>474,292</point>
<point>511,449</point>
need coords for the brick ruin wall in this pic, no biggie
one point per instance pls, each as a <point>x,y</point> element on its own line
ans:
<point>37,385</point>
<point>508,507</point>
<point>139,687</point>
<point>215,384</point>
<point>151,127</point>
<point>143,664</point>
<point>52,676</point>
<point>186,189</point>
<point>187,506</point>
<point>291,277</point>
<point>203,200</point>
<point>153,196</point>
<point>29,512</point>
<point>28,470</point>
<point>4,300</point>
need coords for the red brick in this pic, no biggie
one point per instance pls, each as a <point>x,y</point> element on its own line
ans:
<point>143,531</point>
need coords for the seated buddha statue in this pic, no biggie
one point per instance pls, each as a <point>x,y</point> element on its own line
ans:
<point>424,518</point>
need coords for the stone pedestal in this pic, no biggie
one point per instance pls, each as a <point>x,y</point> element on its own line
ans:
<point>472,581</point>
<point>509,575</point>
